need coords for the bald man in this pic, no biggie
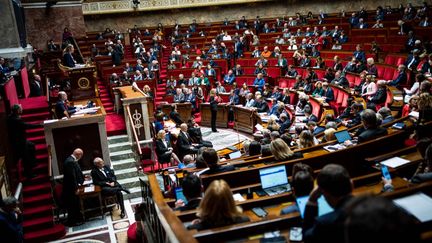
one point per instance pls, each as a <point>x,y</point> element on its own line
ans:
<point>62,108</point>
<point>104,177</point>
<point>35,86</point>
<point>184,142</point>
<point>73,178</point>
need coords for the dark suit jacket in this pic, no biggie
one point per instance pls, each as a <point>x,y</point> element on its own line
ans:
<point>17,127</point>
<point>68,60</point>
<point>175,116</point>
<point>262,106</point>
<point>100,179</point>
<point>183,142</point>
<point>161,149</point>
<point>35,89</point>
<point>213,103</point>
<point>72,176</point>
<point>329,95</point>
<point>325,228</point>
<point>116,57</point>
<point>371,133</point>
<point>60,108</point>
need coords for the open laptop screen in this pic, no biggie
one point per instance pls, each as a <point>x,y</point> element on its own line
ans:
<point>323,206</point>
<point>235,155</point>
<point>342,136</point>
<point>273,176</point>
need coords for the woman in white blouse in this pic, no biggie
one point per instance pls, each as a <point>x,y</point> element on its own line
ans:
<point>369,88</point>
<point>415,88</point>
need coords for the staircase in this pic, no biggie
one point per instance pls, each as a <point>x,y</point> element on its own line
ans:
<point>161,88</point>
<point>37,198</point>
<point>124,165</point>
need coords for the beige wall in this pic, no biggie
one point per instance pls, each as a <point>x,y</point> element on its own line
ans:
<point>277,8</point>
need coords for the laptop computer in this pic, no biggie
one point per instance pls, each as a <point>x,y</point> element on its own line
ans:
<point>235,155</point>
<point>323,206</point>
<point>274,180</point>
<point>342,136</point>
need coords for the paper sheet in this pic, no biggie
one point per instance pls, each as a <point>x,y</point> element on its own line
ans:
<point>418,205</point>
<point>88,182</point>
<point>89,189</point>
<point>395,162</point>
<point>414,114</point>
<point>238,197</point>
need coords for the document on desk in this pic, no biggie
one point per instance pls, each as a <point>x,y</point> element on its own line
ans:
<point>419,205</point>
<point>395,162</point>
<point>89,189</point>
<point>87,110</point>
<point>88,182</point>
<point>238,197</point>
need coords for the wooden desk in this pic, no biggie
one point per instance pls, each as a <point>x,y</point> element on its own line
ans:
<point>87,132</point>
<point>87,195</point>
<point>184,109</point>
<point>245,118</point>
<point>83,82</point>
<point>141,108</point>
<point>221,117</point>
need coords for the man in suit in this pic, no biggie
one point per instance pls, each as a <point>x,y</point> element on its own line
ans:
<point>184,143</point>
<point>229,78</point>
<point>359,54</point>
<point>73,178</point>
<point>3,68</point>
<point>233,100</point>
<point>11,220</point>
<point>115,56</point>
<point>62,109</point>
<point>261,105</point>
<point>192,190</point>
<point>401,78</point>
<point>340,80</point>
<point>371,128</point>
<point>104,177</point>
<point>259,82</point>
<point>335,185</point>
<point>328,92</point>
<point>35,86</point>
<point>284,122</point>
<point>22,148</point>
<point>175,116</point>
<point>314,129</point>
<point>308,115</point>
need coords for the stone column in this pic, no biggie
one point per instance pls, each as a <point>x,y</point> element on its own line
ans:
<point>9,42</point>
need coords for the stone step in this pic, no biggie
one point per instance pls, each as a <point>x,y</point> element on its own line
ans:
<point>129,182</point>
<point>119,147</point>
<point>123,164</point>
<point>126,173</point>
<point>120,155</point>
<point>135,193</point>
<point>118,139</point>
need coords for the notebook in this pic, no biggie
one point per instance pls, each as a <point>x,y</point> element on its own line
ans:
<point>323,206</point>
<point>235,155</point>
<point>274,180</point>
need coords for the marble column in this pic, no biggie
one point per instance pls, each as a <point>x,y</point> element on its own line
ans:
<point>9,42</point>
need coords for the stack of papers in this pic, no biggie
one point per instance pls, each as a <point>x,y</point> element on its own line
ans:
<point>238,197</point>
<point>395,162</point>
<point>87,110</point>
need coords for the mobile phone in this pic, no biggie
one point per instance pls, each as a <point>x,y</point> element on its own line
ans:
<point>260,212</point>
<point>296,234</point>
<point>385,172</point>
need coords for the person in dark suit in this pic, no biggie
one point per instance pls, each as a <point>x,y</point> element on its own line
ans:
<point>359,54</point>
<point>104,177</point>
<point>401,78</point>
<point>62,109</point>
<point>164,150</point>
<point>327,93</point>
<point>115,56</point>
<point>212,160</point>
<point>73,178</point>
<point>192,190</point>
<point>371,129</point>
<point>335,185</point>
<point>261,105</point>
<point>284,122</point>
<point>68,59</point>
<point>309,116</point>
<point>175,116</point>
<point>21,147</point>
<point>11,221</point>
<point>35,86</point>
<point>184,143</point>
<point>213,109</point>
<point>194,131</point>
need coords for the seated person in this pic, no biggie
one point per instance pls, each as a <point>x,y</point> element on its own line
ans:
<point>209,212</point>
<point>327,92</point>
<point>184,142</point>
<point>334,183</point>
<point>62,108</point>
<point>424,170</point>
<point>354,118</point>
<point>164,150</point>
<point>371,129</point>
<point>306,139</point>
<point>195,134</point>
<point>380,95</point>
<point>401,78</point>
<point>291,72</point>
<point>302,103</point>
<point>254,148</point>
<point>175,116</point>
<point>340,80</point>
<point>192,190</point>
<point>188,162</point>
<point>104,177</point>
<point>179,97</point>
<point>302,184</point>
<point>281,151</point>
<point>378,219</point>
<point>212,159</point>
<point>285,123</point>
<point>314,128</point>
<point>309,116</point>
<point>385,115</point>
<point>261,105</point>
